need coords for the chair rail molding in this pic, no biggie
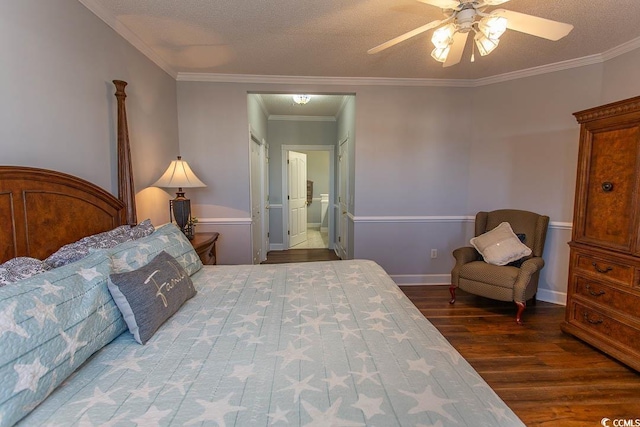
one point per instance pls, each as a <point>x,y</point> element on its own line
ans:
<point>437,219</point>
<point>225,221</point>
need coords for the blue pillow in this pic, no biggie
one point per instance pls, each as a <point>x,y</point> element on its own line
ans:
<point>51,324</point>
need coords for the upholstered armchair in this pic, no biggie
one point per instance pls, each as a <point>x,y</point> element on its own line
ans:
<point>517,281</point>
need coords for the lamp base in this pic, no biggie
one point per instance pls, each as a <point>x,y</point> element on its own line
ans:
<point>180,210</point>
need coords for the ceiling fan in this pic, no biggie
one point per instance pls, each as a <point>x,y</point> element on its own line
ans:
<point>464,16</point>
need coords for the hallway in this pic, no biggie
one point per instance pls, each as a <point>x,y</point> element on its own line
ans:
<point>315,239</point>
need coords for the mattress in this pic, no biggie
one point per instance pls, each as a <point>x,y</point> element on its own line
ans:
<point>309,344</point>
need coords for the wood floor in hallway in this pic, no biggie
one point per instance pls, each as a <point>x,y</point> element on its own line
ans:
<point>300,255</point>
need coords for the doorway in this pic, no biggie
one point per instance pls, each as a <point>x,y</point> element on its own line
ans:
<point>308,217</point>
<point>259,184</point>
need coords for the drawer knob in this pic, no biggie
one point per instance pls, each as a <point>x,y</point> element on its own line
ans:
<point>600,269</point>
<point>607,186</point>
<point>595,294</point>
<point>593,322</point>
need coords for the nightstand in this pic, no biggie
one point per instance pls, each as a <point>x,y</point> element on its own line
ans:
<point>205,246</point>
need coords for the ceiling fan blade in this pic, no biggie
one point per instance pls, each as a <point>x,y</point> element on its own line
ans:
<point>493,2</point>
<point>405,36</point>
<point>457,47</point>
<point>442,4</point>
<point>534,25</point>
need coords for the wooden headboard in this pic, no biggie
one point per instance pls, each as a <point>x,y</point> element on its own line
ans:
<point>42,210</point>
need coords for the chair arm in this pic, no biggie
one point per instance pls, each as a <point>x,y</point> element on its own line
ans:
<point>528,269</point>
<point>463,256</point>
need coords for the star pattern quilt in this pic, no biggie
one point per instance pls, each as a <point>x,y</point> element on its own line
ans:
<point>310,344</point>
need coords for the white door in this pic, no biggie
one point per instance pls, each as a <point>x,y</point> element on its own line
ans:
<point>265,199</point>
<point>256,201</point>
<point>343,194</point>
<point>297,171</point>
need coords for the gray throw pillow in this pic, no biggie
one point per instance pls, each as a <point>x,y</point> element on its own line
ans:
<point>150,295</point>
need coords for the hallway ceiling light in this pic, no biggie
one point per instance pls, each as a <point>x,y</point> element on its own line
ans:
<point>301,99</point>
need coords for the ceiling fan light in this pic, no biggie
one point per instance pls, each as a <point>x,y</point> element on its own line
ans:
<point>301,99</point>
<point>485,45</point>
<point>439,54</point>
<point>493,26</point>
<point>443,36</point>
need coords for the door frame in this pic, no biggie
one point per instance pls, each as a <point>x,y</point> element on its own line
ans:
<point>262,194</point>
<point>342,248</point>
<point>285,189</point>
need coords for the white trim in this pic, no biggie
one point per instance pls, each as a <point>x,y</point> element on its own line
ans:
<point>396,219</point>
<point>275,205</point>
<point>225,221</point>
<point>421,279</point>
<point>561,225</point>
<point>438,219</point>
<point>302,118</point>
<point>621,49</point>
<point>302,80</point>
<point>542,69</point>
<point>553,297</point>
<point>597,58</point>
<point>276,247</point>
<point>108,18</point>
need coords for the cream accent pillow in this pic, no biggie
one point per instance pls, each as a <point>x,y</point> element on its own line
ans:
<point>500,246</point>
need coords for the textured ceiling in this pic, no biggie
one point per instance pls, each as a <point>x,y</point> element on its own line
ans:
<point>330,38</point>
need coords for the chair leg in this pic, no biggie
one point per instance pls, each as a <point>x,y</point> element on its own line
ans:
<point>521,307</point>
<point>452,291</point>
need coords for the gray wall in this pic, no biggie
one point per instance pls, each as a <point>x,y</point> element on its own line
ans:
<point>59,109</point>
<point>424,159</point>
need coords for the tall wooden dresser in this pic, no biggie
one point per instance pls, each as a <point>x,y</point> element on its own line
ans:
<point>603,301</point>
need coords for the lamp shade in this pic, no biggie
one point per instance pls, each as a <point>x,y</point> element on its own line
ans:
<point>179,175</point>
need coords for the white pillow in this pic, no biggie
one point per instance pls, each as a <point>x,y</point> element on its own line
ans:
<point>500,246</point>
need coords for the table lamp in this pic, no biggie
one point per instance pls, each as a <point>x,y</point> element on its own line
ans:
<point>179,175</point>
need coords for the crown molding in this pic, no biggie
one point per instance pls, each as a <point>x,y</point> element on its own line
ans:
<point>622,49</point>
<point>146,50</point>
<point>598,58</point>
<point>108,18</point>
<point>303,118</point>
<point>316,80</point>
<point>543,69</point>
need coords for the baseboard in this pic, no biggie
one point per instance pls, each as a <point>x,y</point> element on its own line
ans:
<point>324,229</point>
<point>421,279</point>
<point>276,246</point>
<point>313,224</point>
<point>545,295</point>
<point>553,297</point>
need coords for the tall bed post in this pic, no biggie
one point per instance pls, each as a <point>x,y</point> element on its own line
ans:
<point>126,190</point>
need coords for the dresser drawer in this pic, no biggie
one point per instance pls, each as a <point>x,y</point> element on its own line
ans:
<point>609,329</point>
<point>603,294</point>
<point>604,269</point>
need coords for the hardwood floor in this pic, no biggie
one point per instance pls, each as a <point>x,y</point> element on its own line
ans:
<point>300,255</point>
<point>546,377</point>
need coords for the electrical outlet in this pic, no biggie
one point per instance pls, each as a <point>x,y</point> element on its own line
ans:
<point>434,253</point>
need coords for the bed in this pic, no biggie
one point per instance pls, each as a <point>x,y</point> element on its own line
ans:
<point>308,344</point>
